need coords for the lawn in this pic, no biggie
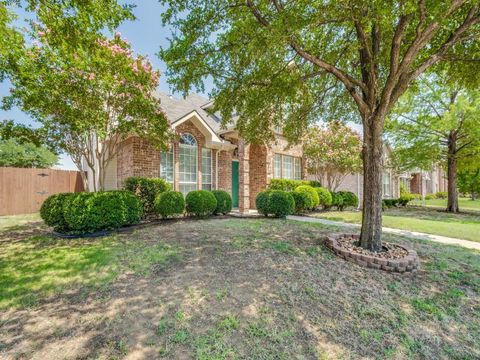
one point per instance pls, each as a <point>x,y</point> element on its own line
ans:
<point>229,289</point>
<point>465,204</point>
<point>430,221</point>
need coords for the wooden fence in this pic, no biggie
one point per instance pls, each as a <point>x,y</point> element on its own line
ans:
<point>22,191</point>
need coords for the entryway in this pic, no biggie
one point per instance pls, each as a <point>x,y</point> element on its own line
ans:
<point>235,184</point>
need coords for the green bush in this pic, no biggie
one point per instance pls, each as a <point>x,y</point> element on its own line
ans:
<point>275,202</point>
<point>302,201</point>
<point>389,203</point>
<point>405,198</point>
<point>349,200</point>
<point>312,194</point>
<point>169,203</point>
<point>441,195</point>
<point>200,203</point>
<point>324,196</point>
<point>52,211</point>
<point>430,197</point>
<point>290,185</point>
<point>337,199</point>
<point>134,208</point>
<point>147,190</point>
<point>224,202</point>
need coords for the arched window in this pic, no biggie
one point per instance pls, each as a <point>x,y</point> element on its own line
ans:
<point>188,158</point>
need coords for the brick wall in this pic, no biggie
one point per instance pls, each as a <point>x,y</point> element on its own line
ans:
<point>280,146</point>
<point>258,171</point>
<point>225,170</point>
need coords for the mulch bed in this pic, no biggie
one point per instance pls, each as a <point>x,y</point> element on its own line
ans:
<point>393,258</point>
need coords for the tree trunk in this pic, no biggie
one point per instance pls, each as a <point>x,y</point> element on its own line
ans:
<point>452,204</point>
<point>371,234</point>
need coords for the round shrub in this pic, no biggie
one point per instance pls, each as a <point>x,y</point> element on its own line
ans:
<point>200,203</point>
<point>133,207</point>
<point>302,201</point>
<point>261,202</point>
<point>349,200</point>
<point>91,212</point>
<point>52,211</point>
<point>224,202</point>
<point>275,202</point>
<point>441,195</point>
<point>324,196</point>
<point>147,190</point>
<point>337,199</point>
<point>312,194</point>
<point>170,203</point>
<point>430,197</point>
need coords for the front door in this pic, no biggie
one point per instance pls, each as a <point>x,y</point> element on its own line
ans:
<point>235,183</point>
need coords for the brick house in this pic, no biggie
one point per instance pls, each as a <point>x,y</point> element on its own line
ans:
<point>206,155</point>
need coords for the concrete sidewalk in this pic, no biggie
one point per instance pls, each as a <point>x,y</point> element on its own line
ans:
<point>412,234</point>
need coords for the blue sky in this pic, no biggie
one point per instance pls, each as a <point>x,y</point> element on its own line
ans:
<point>146,35</point>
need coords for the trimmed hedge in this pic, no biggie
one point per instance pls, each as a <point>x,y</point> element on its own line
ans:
<point>337,199</point>
<point>134,211</point>
<point>324,196</point>
<point>170,203</point>
<point>52,211</point>
<point>275,202</point>
<point>224,202</point>
<point>441,195</point>
<point>290,185</point>
<point>389,203</point>
<point>147,190</point>
<point>430,197</point>
<point>312,194</point>
<point>349,200</point>
<point>302,201</point>
<point>200,203</point>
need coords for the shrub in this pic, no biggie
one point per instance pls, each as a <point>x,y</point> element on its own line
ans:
<point>312,194</point>
<point>170,203</point>
<point>337,199</point>
<point>441,195</point>
<point>430,197</point>
<point>275,202</point>
<point>349,200</point>
<point>200,203</point>
<point>147,189</point>
<point>134,208</point>
<point>324,196</point>
<point>302,201</point>
<point>389,203</point>
<point>290,185</point>
<point>405,198</point>
<point>52,211</point>
<point>224,202</point>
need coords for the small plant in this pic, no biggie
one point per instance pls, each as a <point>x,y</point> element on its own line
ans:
<point>349,200</point>
<point>312,194</point>
<point>200,203</point>
<point>169,203</point>
<point>146,189</point>
<point>224,202</point>
<point>302,201</point>
<point>324,196</point>
<point>229,323</point>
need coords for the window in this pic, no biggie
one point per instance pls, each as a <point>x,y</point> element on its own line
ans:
<point>277,166</point>
<point>206,169</point>
<point>167,166</point>
<point>386,184</point>
<point>188,163</point>
<point>298,169</point>
<point>287,167</point>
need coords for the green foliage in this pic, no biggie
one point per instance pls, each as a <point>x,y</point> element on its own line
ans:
<point>469,182</point>
<point>302,201</point>
<point>337,199</point>
<point>26,155</point>
<point>200,203</point>
<point>290,185</point>
<point>147,189</point>
<point>170,203</point>
<point>51,211</point>
<point>224,202</point>
<point>441,195</point>
<point>405,196</point>
<point>312,194</point>
<point>324,196</point>
<point>430,196</point>
<point>134,208</point>
<point>389,203</point>
<point>349,199</point>
<point>277,203</point>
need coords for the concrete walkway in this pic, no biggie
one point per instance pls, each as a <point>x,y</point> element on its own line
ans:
<point>411,234</point>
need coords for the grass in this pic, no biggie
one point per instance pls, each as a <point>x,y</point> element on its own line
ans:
<point>465,204</point>
<point>461,226</point>
<point>230,289</point>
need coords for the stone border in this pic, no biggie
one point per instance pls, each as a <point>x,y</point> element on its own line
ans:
<point>409,263</point>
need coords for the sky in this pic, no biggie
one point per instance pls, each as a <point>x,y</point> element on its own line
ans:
<point>146,35</point>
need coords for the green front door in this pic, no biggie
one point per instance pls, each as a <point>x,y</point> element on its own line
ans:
<point>235,183</point>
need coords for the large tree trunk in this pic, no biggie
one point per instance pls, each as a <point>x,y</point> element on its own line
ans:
<point>371,235</point>
<point>452,204</point>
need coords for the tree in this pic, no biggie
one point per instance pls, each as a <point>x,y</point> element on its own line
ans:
<point>469,182</point>
<point>332,152</point>
<point>437,124</point>
<point>88,98</point>
<point>25,155</point>
<point>280,62</point>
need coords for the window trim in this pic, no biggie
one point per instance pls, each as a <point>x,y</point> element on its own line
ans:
<point>180,144</point>
<point>172,151</point>
<point>282,167</point>
<point>211,169</point>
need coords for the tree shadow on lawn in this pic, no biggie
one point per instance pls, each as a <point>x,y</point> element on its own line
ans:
<point>258,289</point>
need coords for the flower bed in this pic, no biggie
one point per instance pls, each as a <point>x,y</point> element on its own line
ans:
<point>394,258</point>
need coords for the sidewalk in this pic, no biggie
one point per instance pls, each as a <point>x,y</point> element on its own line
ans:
<point>411,234</point>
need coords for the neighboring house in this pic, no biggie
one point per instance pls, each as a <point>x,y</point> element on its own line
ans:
<point>206,155</point>
<point>426,182</point>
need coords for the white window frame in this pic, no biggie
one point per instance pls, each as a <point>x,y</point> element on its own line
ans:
<point>284,167</point>
<point>297,173</point>
<point>171,151</point>
<point>191,184</point>
<point>211,170</point>
<point>386,185</point>
<point>275,175</point>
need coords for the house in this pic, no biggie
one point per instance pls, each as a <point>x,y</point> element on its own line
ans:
<point>206,155</point>
<point>426,182</point>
